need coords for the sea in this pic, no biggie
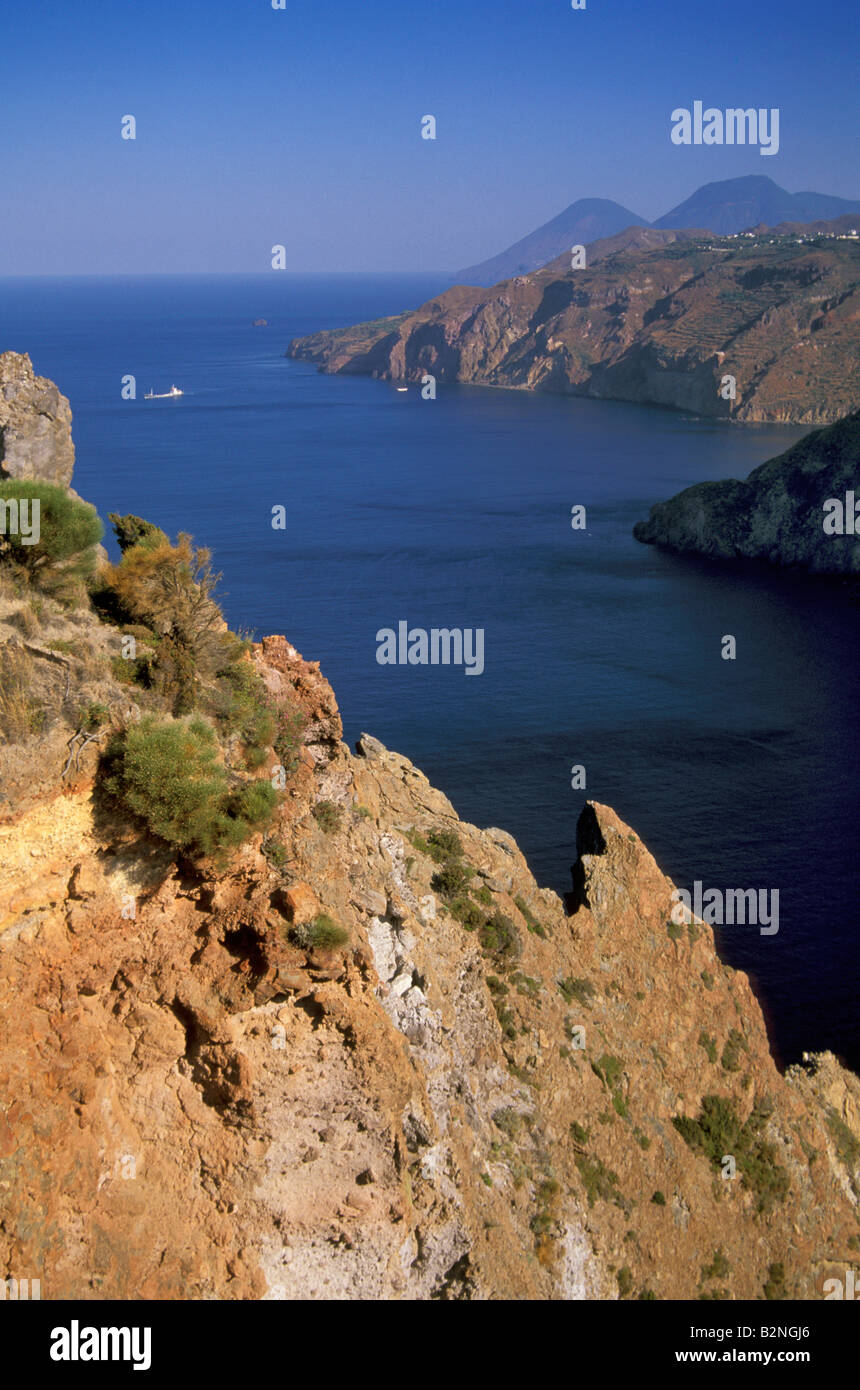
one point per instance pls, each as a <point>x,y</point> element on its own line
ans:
<point>600,653</point>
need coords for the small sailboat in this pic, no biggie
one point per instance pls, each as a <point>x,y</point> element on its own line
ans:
<point>162,395</point>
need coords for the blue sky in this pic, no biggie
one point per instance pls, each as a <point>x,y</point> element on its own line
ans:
<point>301,126</point>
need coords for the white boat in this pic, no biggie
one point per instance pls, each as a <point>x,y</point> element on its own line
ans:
<point>162,395</point>
<point>403,388</point>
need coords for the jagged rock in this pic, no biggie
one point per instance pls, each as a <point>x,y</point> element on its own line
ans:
<point>35,424</point>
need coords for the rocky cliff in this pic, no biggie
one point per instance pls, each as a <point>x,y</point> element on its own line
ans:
<point>365,1055</point>
<point>655,316</point>
<point>35,424</point>
<point>779,513</point>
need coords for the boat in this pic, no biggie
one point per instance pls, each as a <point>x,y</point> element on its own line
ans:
<point>162,395</point>
<point>403,388</point>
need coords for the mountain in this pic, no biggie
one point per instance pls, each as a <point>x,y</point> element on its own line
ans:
<point>359,1053</point>
<point>777,515</point>
<point>588,219</point>
<point>733,205</point>
<point>656,316</point>
<point>725,207</point>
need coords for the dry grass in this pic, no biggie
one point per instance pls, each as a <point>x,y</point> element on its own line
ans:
<point>21,715</point>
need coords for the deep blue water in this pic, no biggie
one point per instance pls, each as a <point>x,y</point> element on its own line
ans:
<point>455,513</point>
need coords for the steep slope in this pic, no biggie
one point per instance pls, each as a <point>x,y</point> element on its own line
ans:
<point>660,323</point>
<point>364,1055</point>
<point>588,219</point>
<point>778,514</point>
<point>733,205</point>
<point>198,1106</point>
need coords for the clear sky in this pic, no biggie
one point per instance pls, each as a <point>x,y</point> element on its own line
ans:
<point>301,126</point>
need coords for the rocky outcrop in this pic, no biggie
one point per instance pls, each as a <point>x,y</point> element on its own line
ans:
<point>195,1106</point>
<point>35,424</point>
<point>460,1087</point>
<point>656,316</point>
<point>779,513</point>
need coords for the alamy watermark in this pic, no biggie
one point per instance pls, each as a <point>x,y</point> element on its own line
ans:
<point>76,1343</point>
<point>841,519</point>
<point>21,516</point>
<point>734,126</point>
<point>728,907</point>
<point>441,646</point>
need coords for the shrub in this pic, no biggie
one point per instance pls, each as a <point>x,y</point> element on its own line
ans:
<point>508,1120</point>
<point>709,1044</point>
<point>452,880</point>
<point>498,937</point>
<point>132,530</point>
<point>444,844</point>
<point>466,912</point>
<point>581,990</point>
<point>241,703</point>
<point>735,1045</point>
<point>328,816</point>
<point>529,918</point>
<point>69,531</point>
<point>719,1131</point>
<point>253,803</point>
<point>168,773</point>
<point>601,1183</point>
<point>658,1198</point>
<point>323,934</point>
<point>774,1289</point>
<point>171,589</point>
<point>609,1070</point>
<point>718,1268</point>
<point>625,1282</point>
<point>675,931</point>
<point>289,736</point>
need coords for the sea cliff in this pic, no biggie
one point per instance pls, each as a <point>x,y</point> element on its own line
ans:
<point>357,1051</point>
<point>758,328</point>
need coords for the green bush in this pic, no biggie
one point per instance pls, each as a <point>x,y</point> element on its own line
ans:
<point>532,923</point>
<point>718,1131</point>
<point>735,1046</point>
<point>658,1198</point>
<point>499,938</point>
<point>466,912</point>
<point>323,933</point>
<point>601,1183</point>
<point>289,736</point>
<point>168,773</point>
<point>452,880</point>
<point>719,1267</point>
<point>241,703</point>
<point>328,816</point>
<point>131,530</point>
<point>580,989</point>
<point>69,531</point>
<point>444,844</point>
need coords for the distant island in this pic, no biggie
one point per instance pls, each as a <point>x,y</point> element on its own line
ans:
<point>760,326</point>
<point>724,207</point>
<point>796,510</point>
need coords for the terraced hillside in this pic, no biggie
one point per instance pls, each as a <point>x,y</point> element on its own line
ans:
<point>660,323</point>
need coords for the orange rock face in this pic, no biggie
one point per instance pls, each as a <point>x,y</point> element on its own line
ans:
<point>193,1107</point>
